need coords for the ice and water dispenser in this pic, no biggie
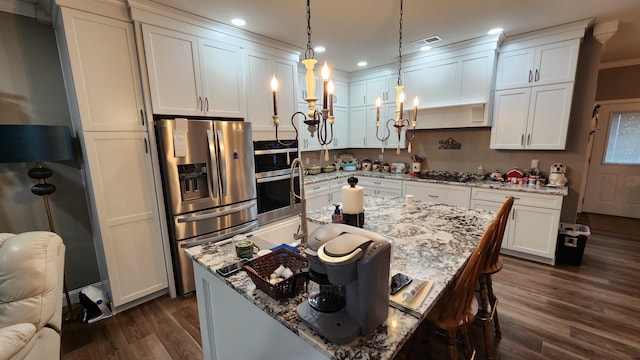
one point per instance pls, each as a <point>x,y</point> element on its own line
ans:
<point>193,181</point>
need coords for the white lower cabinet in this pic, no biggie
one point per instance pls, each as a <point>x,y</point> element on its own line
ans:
<point>532,228</point>
<point>323,193</point>
<point>438,193</point>
<point>378,186</point>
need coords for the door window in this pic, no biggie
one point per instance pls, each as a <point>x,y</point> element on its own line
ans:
<point>623,143</point>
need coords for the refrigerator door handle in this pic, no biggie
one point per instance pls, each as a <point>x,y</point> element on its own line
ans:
<point>223,164</point>
<point>214,164</point>
<point>216,213</point>
<point>190,243</point>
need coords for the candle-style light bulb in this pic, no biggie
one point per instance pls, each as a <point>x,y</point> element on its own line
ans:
<point>274,88</point>
<point>331,89</point>
<point>325,79</point>
<point>401,98</point>
<point>415,110</point>
<point>378,103</point>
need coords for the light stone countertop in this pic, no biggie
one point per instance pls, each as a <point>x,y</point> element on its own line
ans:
<point>487,184</point>
<point>431,242</point>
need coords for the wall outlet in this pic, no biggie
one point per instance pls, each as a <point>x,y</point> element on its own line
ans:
<point>380,157</point>
<point>306,160</point>
<point>534,164</point>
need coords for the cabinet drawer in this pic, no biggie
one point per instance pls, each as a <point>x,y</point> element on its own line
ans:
<point>438,193</point>
<point>521,198</point>
<point>380,184</point>
<point>315,188</point>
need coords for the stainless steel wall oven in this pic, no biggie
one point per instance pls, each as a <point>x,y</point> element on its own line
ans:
<point>273,175</point>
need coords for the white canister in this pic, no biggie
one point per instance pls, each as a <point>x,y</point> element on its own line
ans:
<point>416,167</point>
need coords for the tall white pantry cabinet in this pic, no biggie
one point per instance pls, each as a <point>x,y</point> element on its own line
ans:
<point>101,74</point>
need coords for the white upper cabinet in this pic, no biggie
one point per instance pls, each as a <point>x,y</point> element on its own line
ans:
<point>541,65</point>
<point>189,75</point>
<point>534,118</point>
<point>534,91</point>
<point>261,67</point>
<point>365,92</point>
<point>105,77</point>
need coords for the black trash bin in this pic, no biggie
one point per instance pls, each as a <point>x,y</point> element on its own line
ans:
<point>572,238</point>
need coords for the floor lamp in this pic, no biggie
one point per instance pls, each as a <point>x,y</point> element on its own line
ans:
<point>38,143</point>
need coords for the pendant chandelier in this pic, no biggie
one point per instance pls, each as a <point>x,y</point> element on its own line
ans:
<point>320,121</point>
<point>399,122</point>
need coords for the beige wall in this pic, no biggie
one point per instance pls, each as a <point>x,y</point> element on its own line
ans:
<point>32,92</point>
<point>619,83</point>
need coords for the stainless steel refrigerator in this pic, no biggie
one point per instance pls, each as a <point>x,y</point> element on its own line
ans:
<point>209,185</point>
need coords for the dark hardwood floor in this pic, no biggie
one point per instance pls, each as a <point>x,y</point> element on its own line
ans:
<point>564,312</point>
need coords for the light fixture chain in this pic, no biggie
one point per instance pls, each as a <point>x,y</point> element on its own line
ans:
<point>309,54</point>
<point>400,48</point>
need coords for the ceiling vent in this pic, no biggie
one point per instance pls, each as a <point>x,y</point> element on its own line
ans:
<point>426,41</point>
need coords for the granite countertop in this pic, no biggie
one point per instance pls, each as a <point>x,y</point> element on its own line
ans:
<point>431,242</point>
<point>488,184</point>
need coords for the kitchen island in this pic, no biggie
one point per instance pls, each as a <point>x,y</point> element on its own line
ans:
<point>431,242</point>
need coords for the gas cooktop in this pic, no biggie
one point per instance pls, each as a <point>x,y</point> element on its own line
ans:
<point>442,175</point>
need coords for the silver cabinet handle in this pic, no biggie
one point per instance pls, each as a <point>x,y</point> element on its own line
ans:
<point>522,140</point>
<point>434,196</point>
<point>142,117</point>
<point>364,99</point>
<point>537,77</point>
<point>200,102</point>
<point>528,139</point>
<point>206,101</point>
<point>530,76</point>
<point>146,146</point>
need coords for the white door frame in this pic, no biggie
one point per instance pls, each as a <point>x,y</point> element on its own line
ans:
<point>589,152</point>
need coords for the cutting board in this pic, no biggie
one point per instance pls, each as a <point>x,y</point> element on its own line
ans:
<point>413,304</point>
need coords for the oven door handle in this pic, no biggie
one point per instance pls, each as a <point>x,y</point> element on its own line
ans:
<point>196,242</point>
<point>273,178</point>
<point>216,213</point>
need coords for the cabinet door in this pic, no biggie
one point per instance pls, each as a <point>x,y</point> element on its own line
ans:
<point>510,114</point>
<point>376,87</point>
<point>260,69</point>
<point>106,80</point>
<point>174,71</point>
<point>121,178</point>
<point>515,69</point>
<point>358,127</point>
<point>222,79</point>
<point>341,94</point>
<point>358,93</point>
<point>556,63</point>
<point>549,110</point>
<point>340,129</point>
<point>534,230</point>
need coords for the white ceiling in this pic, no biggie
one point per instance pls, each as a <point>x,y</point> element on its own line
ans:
<point>354,30</point>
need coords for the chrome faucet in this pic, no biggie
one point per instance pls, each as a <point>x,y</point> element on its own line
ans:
<point>303,230</point>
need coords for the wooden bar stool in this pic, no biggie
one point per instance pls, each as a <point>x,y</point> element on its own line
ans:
<point>493,264</point>
<point>458,306</point>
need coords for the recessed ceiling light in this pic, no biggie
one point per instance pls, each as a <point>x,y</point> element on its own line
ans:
<point>238,22</point>
<point>319,49</point>
<point>362,63</point>
<point>425,48</point>
<point>495,31</point>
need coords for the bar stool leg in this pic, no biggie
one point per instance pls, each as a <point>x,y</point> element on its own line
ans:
<point>485,305</point>
<point>493,299</point>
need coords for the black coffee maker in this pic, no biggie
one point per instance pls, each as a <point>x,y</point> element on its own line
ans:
<point>347,265</point>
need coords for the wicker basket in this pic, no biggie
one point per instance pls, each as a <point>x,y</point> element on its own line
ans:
<point>261,267</point>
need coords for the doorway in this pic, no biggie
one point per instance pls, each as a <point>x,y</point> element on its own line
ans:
<point>613,179</point>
